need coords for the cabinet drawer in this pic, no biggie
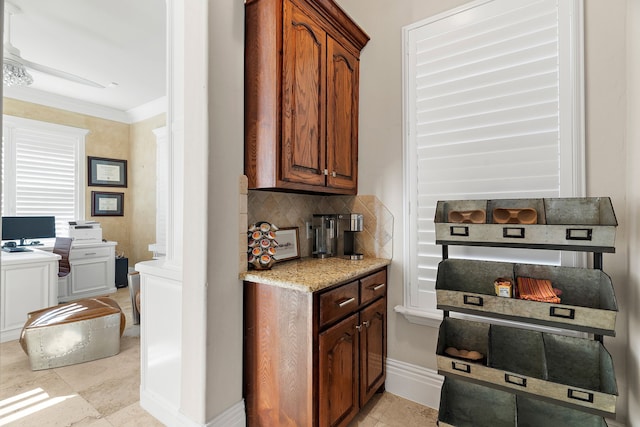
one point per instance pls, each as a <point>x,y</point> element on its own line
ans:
<point>372,287</point>
<point>83,253</point>
<point>338,302</point>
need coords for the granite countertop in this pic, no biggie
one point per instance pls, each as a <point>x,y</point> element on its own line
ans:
<point>314,274</point>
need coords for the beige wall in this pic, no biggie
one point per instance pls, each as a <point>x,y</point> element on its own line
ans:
<point>380,157</point>
<point>142,182</point>
<point>111,139</point>
<point>633,212</point>
<point>226,160</point>
<point>605,116</point>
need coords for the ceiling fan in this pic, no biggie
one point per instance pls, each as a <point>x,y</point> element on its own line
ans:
<point>14,65</point>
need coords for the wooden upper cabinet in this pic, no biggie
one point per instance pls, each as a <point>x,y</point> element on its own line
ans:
<point>301,96</point>
<point>342,117</point>
<point>303,99</point>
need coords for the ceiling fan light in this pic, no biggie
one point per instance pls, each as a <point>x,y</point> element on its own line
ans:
<point>15,74</point>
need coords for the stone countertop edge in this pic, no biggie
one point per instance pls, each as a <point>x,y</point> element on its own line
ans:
<point>314,274</point>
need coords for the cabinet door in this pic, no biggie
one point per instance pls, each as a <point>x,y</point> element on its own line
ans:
<point>24,288</point>
<point>90,275</point>
<point>342,117</point>
<point>303,150</point>
<point>338,373</point>
<point>373,349</point>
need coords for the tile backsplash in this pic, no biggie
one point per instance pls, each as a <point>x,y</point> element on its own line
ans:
<point>295,210</point>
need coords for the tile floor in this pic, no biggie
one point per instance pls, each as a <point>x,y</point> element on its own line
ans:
<point>105,392</point>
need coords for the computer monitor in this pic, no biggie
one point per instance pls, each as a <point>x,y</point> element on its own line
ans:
<point>28,227</point>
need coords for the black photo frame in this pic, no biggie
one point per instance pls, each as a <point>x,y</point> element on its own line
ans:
<point>104,172</point>
<point>107,204</point>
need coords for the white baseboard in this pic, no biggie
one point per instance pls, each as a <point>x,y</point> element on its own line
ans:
<point>164,411</point>
<point>413,382</point>
<point>170,416</point>
<point>235,416</point>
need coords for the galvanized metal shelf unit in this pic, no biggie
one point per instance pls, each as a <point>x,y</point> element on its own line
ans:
<point>544,376</point>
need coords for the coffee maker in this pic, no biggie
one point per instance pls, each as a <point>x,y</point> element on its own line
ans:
<point>348,226</point>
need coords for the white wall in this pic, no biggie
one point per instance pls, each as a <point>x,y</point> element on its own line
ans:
<point>380,155</point>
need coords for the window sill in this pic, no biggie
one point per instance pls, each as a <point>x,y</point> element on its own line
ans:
<point>431,318</point>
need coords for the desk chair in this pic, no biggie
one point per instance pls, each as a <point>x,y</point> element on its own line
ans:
<point>62,247</point>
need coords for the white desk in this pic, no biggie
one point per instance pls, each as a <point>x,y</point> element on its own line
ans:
<point>93,271</point>
<point>28,282</point>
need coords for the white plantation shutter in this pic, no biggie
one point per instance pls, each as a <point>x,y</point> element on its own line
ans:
<point>43,170</point>
<point>492,110</point>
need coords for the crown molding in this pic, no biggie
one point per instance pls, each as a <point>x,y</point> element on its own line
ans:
<point>133,115</point>
<point>148,110</point>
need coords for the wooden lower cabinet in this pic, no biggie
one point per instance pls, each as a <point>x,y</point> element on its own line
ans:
<point>300,370</point>
<point>339,362</point>
<point>373,349</point>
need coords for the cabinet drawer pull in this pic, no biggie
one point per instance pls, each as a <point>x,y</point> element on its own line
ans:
<point>377,287</point>
<point>346,302</point>
<point>513,232</point>
<point>89,253</point>
<point>458,230</point>
<point>473,300</point>
<point>580,395</point>
<point>463,367</point>
<point>565,313</point>
<point>579,233</point>
<point>513,379</point>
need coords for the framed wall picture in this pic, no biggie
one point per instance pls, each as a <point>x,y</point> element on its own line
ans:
<point>107,204</point>
<point>105,172</point>
<point>288,244</point>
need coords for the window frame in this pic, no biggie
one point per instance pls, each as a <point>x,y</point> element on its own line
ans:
<point>571,131</point>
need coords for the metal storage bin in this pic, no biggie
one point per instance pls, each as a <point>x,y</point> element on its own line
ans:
<point>588,302</point>
<point>569,371</point>
<point>586,223</point>
<point>464,404</point>
<point>583,369</point>
<point>536,413</point>
<point>465,335</point>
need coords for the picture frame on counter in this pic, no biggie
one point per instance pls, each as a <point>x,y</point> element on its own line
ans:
<point>288,244</point>
<point>104,172</point>
<point>107,203</point>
